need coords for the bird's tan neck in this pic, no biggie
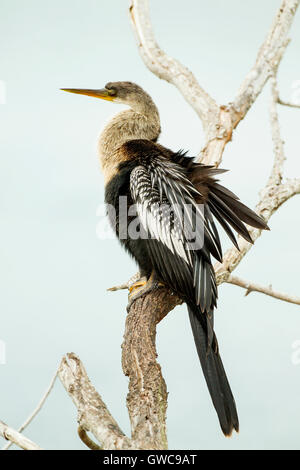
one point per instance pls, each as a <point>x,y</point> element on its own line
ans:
<point>126,125</point>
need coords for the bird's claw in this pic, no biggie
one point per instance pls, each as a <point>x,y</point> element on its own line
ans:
<point>142,287</point>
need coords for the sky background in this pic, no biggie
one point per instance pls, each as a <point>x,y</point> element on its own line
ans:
<point>55,271</point>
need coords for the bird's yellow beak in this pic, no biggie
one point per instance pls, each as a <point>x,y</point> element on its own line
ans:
<point>103,93</point>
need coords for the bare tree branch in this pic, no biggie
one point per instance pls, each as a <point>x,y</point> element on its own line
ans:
<point>268,290</point>
<point>93,414</point>
<point>218,121</point>
<point>147,397</point>
<point>127,284</point>
<point>17,438</point>
<point>268,59</point>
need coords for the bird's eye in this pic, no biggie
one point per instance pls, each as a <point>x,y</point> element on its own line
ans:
<point>111,91</point>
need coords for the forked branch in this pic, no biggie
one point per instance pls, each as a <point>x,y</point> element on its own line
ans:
<point>218,121</point>
<point>93,414</point>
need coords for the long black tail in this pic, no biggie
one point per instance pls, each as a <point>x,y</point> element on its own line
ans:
<point>214,372</point>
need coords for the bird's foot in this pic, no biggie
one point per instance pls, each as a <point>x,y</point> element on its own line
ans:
<point>141,287</point>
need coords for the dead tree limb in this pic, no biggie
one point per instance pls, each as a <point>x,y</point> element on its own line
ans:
<point>147,397</point>
<point>267,290</point>
<point>93,414</point>
<point>35,411</point>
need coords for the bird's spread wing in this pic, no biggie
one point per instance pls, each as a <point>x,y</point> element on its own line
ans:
<point>163,190</point>
<point>166,206</point>
<point>225,206</point>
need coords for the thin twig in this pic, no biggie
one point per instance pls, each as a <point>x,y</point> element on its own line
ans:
<point>268,290</point>
<point>120,287</point>
<point>288,103</point>
<point>127,284</point>
<point>36,410</point>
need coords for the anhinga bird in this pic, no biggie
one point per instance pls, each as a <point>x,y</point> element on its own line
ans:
<point>154,178</point>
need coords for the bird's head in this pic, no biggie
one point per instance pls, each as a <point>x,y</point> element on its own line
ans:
<point>119,92</point>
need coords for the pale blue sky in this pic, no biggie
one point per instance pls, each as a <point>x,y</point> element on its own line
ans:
<point>54,271</point>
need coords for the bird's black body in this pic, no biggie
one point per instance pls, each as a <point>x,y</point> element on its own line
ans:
<point>161,184</point>
<point>177,179</point>
<point>142,152</point>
